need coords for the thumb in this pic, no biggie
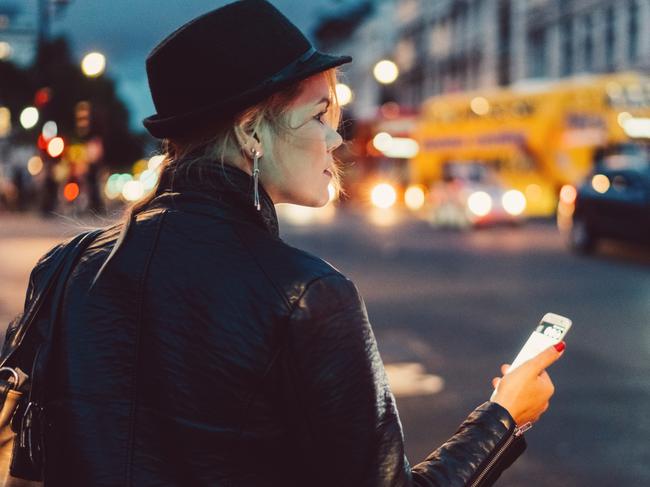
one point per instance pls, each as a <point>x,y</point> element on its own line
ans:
<point>547,357</point>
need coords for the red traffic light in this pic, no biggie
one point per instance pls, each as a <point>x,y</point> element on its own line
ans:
<point>42,97</point>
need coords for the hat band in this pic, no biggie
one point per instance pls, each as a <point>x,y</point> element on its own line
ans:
<point>287,70</point>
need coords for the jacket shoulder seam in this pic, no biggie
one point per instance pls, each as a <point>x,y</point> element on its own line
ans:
<point>138,333</point>
<point>308,286</point>
<point>280,292</point>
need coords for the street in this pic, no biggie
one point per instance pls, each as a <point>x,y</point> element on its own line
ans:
<point>448,307</point>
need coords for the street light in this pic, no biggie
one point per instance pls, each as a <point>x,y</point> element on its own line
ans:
<point>385,72</point>
<point>93,64</point>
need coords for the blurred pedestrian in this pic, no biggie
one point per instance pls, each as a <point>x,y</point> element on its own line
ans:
<point>194,347</point>
<point>50,190</point>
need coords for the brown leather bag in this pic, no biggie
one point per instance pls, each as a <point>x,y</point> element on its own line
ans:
<point>11,396</point>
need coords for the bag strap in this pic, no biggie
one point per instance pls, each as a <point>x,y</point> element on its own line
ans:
<point>66,267</point>
<point>71,252</point>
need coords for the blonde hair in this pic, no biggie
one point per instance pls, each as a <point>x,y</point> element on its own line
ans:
<point>216,141</point>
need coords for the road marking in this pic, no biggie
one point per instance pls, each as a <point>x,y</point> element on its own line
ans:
<point>410,379</point>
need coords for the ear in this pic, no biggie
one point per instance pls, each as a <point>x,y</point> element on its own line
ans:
<point>248,141</point>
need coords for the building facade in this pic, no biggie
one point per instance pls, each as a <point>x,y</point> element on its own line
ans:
<point>444,46</point>
<point>18,32</point>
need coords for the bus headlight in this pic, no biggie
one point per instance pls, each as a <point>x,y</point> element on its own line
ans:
<point>479,203</point>
<point>514,202</point>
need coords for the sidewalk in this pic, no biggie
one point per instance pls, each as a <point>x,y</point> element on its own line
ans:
<point>24,238</point>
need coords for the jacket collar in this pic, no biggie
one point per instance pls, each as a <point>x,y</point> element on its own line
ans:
<point>221,186</point>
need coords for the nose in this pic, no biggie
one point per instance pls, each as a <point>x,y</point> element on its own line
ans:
<point>333,140</point>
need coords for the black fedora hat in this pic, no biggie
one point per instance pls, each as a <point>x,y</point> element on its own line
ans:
<point>225,61</point>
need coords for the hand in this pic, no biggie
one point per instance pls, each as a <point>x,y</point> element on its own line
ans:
<point>526,391</point>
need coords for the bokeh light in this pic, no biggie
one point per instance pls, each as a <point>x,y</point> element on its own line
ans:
<point>600,183</point>
<point>343,94</point>
<point>155,162</point>
<point>331,190</point>
<point>55,147</point>
<point>35,165</point>
<point>568,194</point>
<point>382,141</point>
<point>480,106</point>
<point>93,64</point>
<point>133,191</point>
<point>386,71</point>
<point>5,51</point>
<point>383,196</point>
<point>149,179</point>
<point>29,117</point>
<point>5,121</point>
<point>50,130</point>
<point>414,197</point>
<point>533,192</point>
<point>514,202</point>
<point>71,191</point>
<point>480,203</point>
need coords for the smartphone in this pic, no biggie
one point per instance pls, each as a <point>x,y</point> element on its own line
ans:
<point>551,330</point>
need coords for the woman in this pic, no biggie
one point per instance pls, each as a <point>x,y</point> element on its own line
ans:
<point>195,347</point>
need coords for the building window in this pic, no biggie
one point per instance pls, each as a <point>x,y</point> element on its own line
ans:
<point>610,38</point>
<point>589,43</point>
<point>504,42</point>
<point>537,50</point>
<point>633,31</point>
<point>567,47</point>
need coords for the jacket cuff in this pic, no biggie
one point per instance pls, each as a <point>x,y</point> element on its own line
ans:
<point>500,413</point>
<point>516,448</point>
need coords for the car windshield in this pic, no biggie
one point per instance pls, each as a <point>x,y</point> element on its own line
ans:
<point>475,172</point>
<point>624,156</point>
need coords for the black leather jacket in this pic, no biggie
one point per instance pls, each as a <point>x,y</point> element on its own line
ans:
<point>211,353</point>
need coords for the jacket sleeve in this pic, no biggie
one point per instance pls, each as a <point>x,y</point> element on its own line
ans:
<point>346,424</point>
<point>35,278</point>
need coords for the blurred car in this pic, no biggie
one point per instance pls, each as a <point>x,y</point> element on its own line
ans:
<point>470,194</point>
<point>611,203</point>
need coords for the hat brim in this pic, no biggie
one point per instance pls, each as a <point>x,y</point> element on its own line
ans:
<point>163,127</point>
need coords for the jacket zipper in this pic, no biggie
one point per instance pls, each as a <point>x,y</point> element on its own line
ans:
<point>517,432</point>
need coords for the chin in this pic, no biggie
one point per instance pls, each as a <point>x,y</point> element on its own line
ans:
<point>314,201</point>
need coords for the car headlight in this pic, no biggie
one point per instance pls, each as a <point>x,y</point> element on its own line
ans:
<point>514,202</point>
<point>479,203</point>
<point>383,196</point>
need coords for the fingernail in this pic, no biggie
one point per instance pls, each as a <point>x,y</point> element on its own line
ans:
<point>560,346</point>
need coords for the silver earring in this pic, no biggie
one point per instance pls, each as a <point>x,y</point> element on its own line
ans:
<point>256,177</point>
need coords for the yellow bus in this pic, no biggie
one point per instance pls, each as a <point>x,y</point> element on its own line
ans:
<point>536,136</point>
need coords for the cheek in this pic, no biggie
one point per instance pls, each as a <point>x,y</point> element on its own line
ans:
<point>305,152</point>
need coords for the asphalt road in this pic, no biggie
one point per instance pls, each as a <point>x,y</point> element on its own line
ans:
<point>448,307</point>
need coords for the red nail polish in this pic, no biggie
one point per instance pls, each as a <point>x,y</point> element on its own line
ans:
<point>560,346</point>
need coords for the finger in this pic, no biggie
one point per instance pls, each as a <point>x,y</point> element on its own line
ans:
<point>504,368</point>
<point>546,358</point>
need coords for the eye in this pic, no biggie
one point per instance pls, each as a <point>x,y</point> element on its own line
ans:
<point>320,116</point>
